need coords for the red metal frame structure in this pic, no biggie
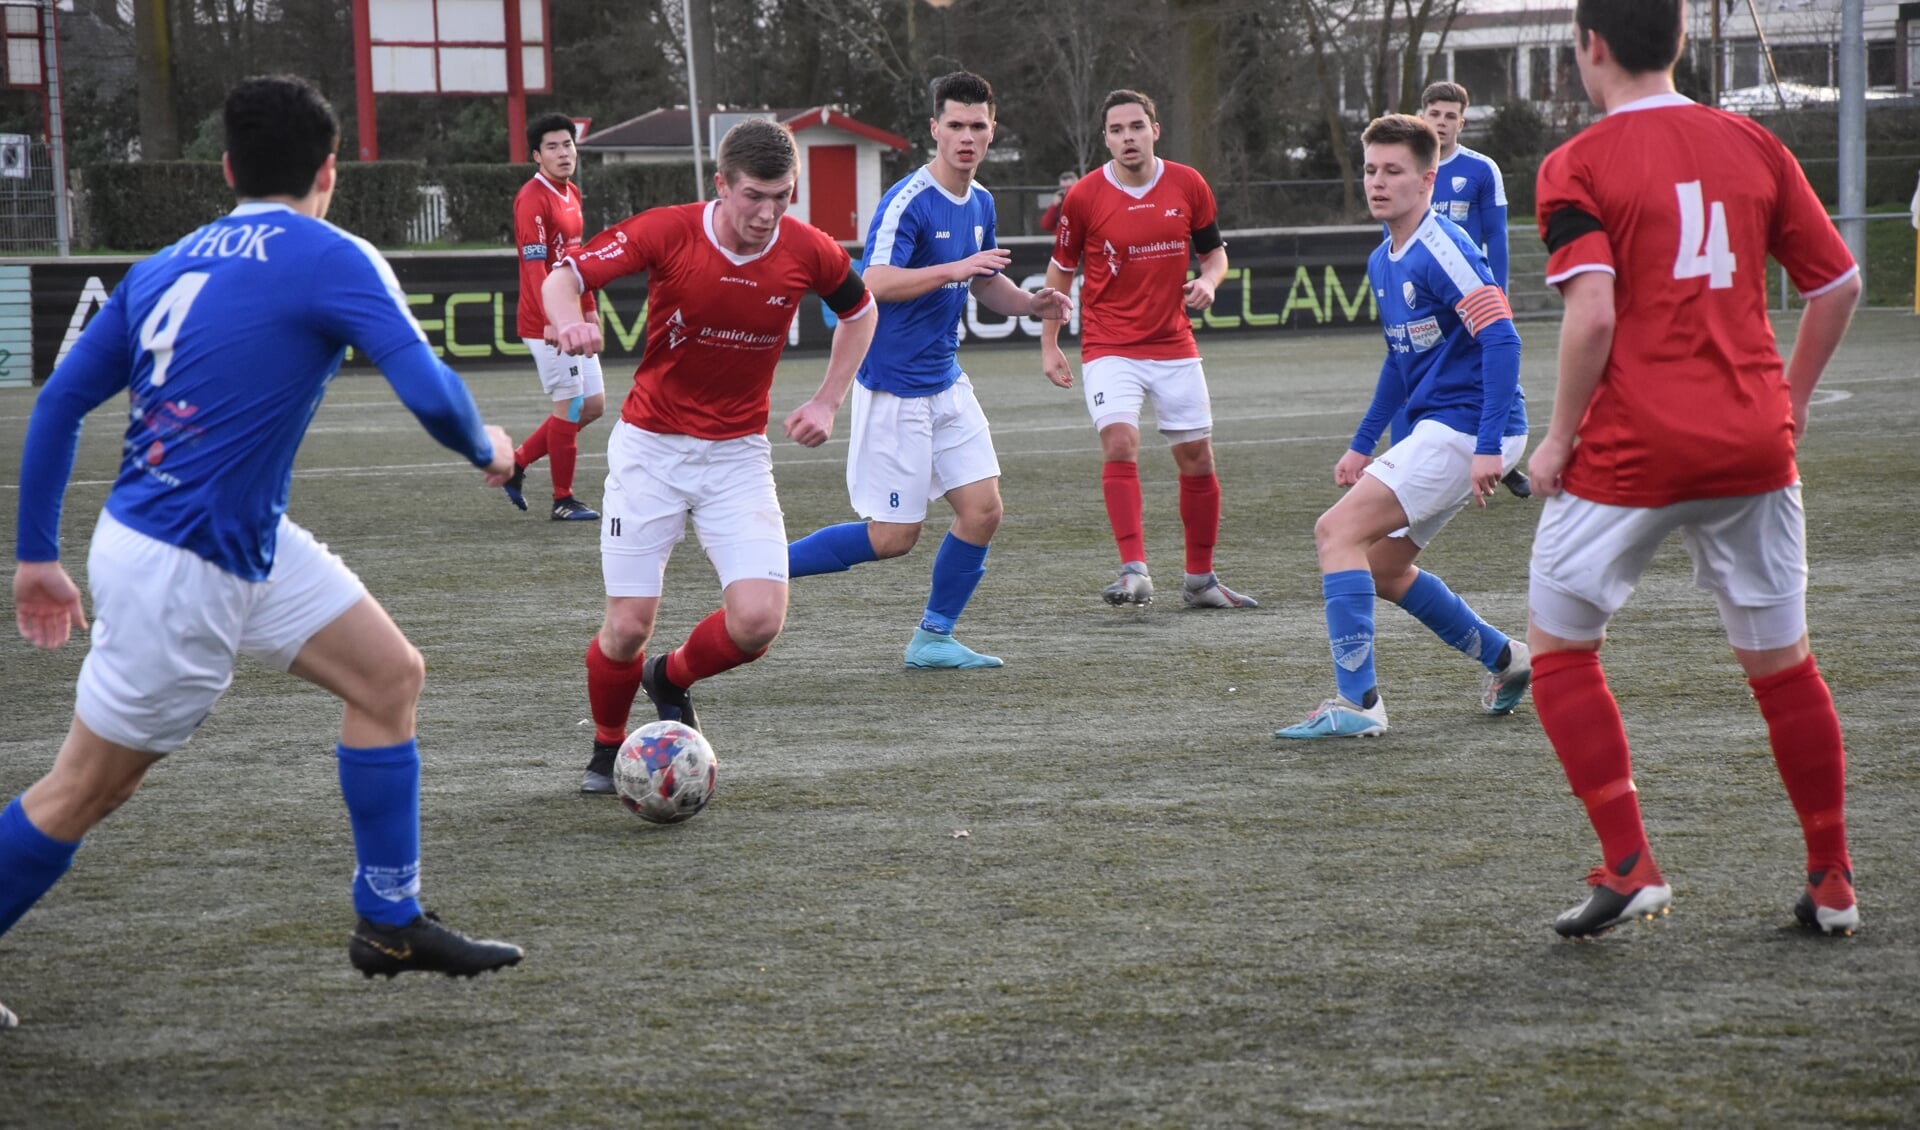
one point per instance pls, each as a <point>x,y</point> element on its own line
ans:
<point>512,44</point>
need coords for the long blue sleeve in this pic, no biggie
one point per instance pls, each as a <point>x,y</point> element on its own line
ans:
<point>1389,396</point>
<point>1494,215</point>
<point>1500,383</point>
<point>439,399</point>
<point>94,371</point>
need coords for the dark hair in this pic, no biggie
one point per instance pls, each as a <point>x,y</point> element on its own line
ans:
<point>1125,97</point>
<point>758,148</point>
<point>1444,92</point>
<point>1407,130</point>
<point>280,130</point>
<point>1643,35</point>
<point>963,87</point>
<point>540,127</point>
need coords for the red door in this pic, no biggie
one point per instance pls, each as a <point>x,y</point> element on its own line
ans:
<point>833,185</point>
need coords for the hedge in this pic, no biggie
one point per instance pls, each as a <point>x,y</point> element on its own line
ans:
<point>480,197</point>
<point>146,205</point>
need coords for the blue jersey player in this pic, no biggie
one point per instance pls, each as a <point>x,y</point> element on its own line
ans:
<point>1453,360</point>
<point>1468,189</point>
<point>224,343</point>
<point>918,432</point>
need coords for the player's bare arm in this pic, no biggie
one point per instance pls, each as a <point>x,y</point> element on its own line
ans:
<point>1053,361</point>
<point>811,424</point>
<point>1200,289</point>
<point>46,603</point>
<point>901,284</point>
<point>1002,295</point>
<point>573,333</point>
<point>1586,339</point>
<point>1822,325</point>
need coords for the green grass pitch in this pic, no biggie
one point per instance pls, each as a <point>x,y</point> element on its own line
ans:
<point>1158,915</point>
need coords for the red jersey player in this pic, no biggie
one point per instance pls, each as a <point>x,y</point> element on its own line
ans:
<point>1136,221</point>
<point>546,228</point>
<point>1674,413</point>
<point>724,280</point>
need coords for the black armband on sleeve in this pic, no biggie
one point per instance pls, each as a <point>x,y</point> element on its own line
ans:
<point>847,297</point>
<point>1207,239</point>
<point>1569,224</point>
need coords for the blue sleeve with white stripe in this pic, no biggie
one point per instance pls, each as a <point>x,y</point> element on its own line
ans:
<point>94,371</point>
<point>365,305</point>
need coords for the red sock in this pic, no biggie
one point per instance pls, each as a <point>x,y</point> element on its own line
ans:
<point>1805,732</point>
<point>1582,720</point>
<point>535,447</point>
<point>1200,517</point>
<point>708,651</point>
<point>611,686</point>
<point>1120,482</point>
<point>563,450</point>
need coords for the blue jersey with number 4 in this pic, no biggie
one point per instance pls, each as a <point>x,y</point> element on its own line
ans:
<point>225,343</point>
<point>920,224</point>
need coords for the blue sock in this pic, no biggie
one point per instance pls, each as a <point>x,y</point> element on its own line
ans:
<point>830,549</point>
<point>382,790</point>
<point>1349,595</point>
<point>957,569</point>
<point>31,862</point>
<point>1431,602</point>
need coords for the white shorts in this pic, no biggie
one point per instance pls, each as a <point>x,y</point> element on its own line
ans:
<point>1750,552</point>
<point>562,376</point>
<point>905,451</point>
<point>654,481</point>
<point>1116,386</point>
<point>167,624</point>
<point>1431,473</point>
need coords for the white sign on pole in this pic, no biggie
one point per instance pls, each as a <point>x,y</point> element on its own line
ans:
<point>15,155</point>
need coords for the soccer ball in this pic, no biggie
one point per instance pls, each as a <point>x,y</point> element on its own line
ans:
<point>665,772</point>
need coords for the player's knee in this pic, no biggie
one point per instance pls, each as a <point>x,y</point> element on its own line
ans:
<point>892,539</point>
<point>753,630</point>
<point>392,688</point>
<point>625,633</point>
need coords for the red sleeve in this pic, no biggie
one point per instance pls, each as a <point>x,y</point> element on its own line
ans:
<point>1570,219</point>
<point>533,238</point>
<point>627,248</point>
<point>1201,203</point>
<point>1068,237</point>
<point>1803,237</point>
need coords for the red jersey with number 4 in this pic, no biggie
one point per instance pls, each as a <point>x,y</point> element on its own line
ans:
<point>716,321</point>
<point>1682,204</point>
<point>546,228</point>
<point>1136,243</point>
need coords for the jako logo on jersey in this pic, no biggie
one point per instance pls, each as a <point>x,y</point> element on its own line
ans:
<point>943,235</point>
<point>738,279</point>
<point>1459,184</point>
<point>1406,289</point>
